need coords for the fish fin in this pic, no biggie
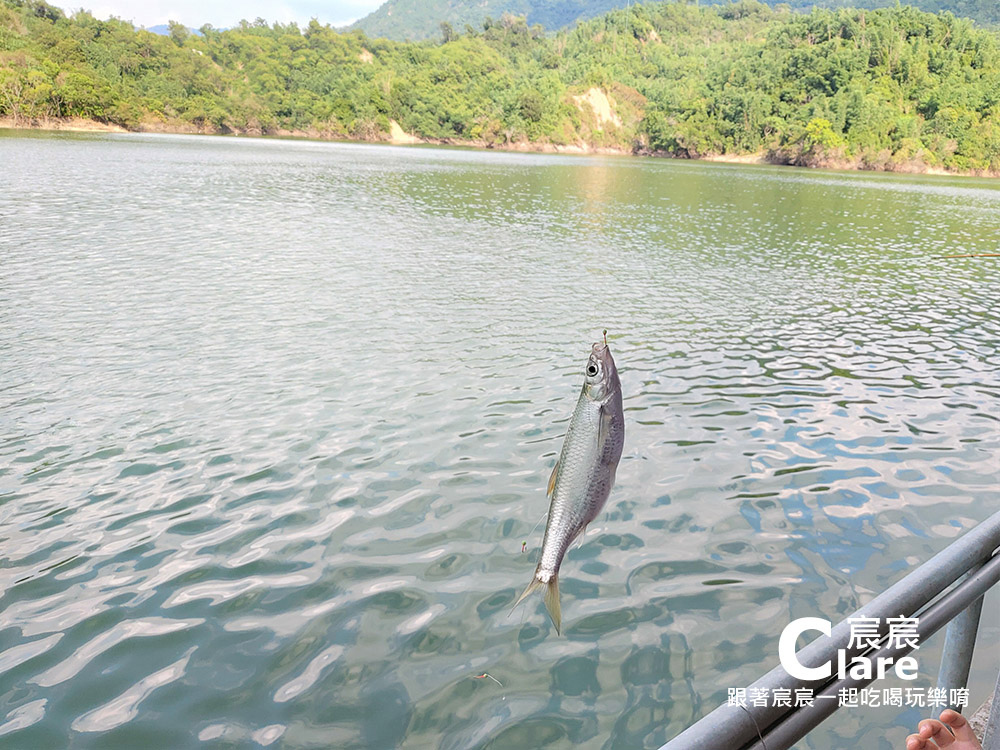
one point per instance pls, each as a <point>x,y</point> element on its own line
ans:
<point>535,583</point>
<point>551,599</point>
<point>552,480</point>
<point>552,602</point>
<point>603,429</point>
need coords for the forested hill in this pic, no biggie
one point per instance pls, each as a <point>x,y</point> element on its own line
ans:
<point>422,19</point>
<point>885,89</point>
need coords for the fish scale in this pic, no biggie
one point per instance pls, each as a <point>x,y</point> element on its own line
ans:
<point>584,474</point>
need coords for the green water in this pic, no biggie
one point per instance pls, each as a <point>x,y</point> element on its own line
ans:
<point>276,417</point>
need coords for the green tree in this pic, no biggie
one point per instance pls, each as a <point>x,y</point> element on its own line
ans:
<point>888,88</point>
<point>178,32</point>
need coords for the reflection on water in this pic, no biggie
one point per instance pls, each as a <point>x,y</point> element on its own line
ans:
<point>277,418</point>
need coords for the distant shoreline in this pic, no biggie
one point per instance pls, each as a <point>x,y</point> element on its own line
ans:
<point>398,137</point>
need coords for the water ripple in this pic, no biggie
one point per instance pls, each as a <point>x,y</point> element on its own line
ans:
<point>278,416</point>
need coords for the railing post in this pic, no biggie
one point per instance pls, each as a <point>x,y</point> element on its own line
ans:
<point>959,643</point>
<point>991,737</point>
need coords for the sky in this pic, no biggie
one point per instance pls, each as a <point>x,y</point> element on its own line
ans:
<point>225,13</point>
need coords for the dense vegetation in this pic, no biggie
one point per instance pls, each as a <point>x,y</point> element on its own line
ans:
<point>886,89</point>
<point>421,19</point>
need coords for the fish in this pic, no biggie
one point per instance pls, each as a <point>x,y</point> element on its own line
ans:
<point>583,476</point>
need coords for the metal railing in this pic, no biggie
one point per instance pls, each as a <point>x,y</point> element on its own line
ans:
<point>929,593</point>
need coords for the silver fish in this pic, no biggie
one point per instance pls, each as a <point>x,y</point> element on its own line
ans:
<point>585,472</point>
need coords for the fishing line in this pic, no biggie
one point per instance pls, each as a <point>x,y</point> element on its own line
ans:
<point>755,726</point>
<point>484,675</point>
<point>544,516</point>
<point>523,547</point>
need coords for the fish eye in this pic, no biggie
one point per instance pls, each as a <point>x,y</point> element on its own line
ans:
<point>592,369</point>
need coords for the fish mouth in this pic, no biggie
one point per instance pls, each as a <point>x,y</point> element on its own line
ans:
<point>601,353</point>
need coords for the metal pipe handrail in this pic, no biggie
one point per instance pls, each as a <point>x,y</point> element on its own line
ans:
<point>935,617</point>
<point>729,727</point>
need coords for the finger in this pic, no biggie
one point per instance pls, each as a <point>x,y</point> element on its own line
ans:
<point>916,742</point>
<point>932,729</point>
<point>928,727</point>
<point>957,723</point>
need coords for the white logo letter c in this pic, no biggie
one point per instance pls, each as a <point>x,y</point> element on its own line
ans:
<point>786,648</point>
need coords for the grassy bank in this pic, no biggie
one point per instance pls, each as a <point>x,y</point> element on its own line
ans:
<point>83,125</point>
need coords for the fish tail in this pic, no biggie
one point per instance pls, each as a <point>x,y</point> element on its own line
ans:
<point>552,602</point>
<point>535,583</point>
<point>551,598</point>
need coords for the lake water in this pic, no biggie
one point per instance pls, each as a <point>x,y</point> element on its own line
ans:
<point>276,418</point>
